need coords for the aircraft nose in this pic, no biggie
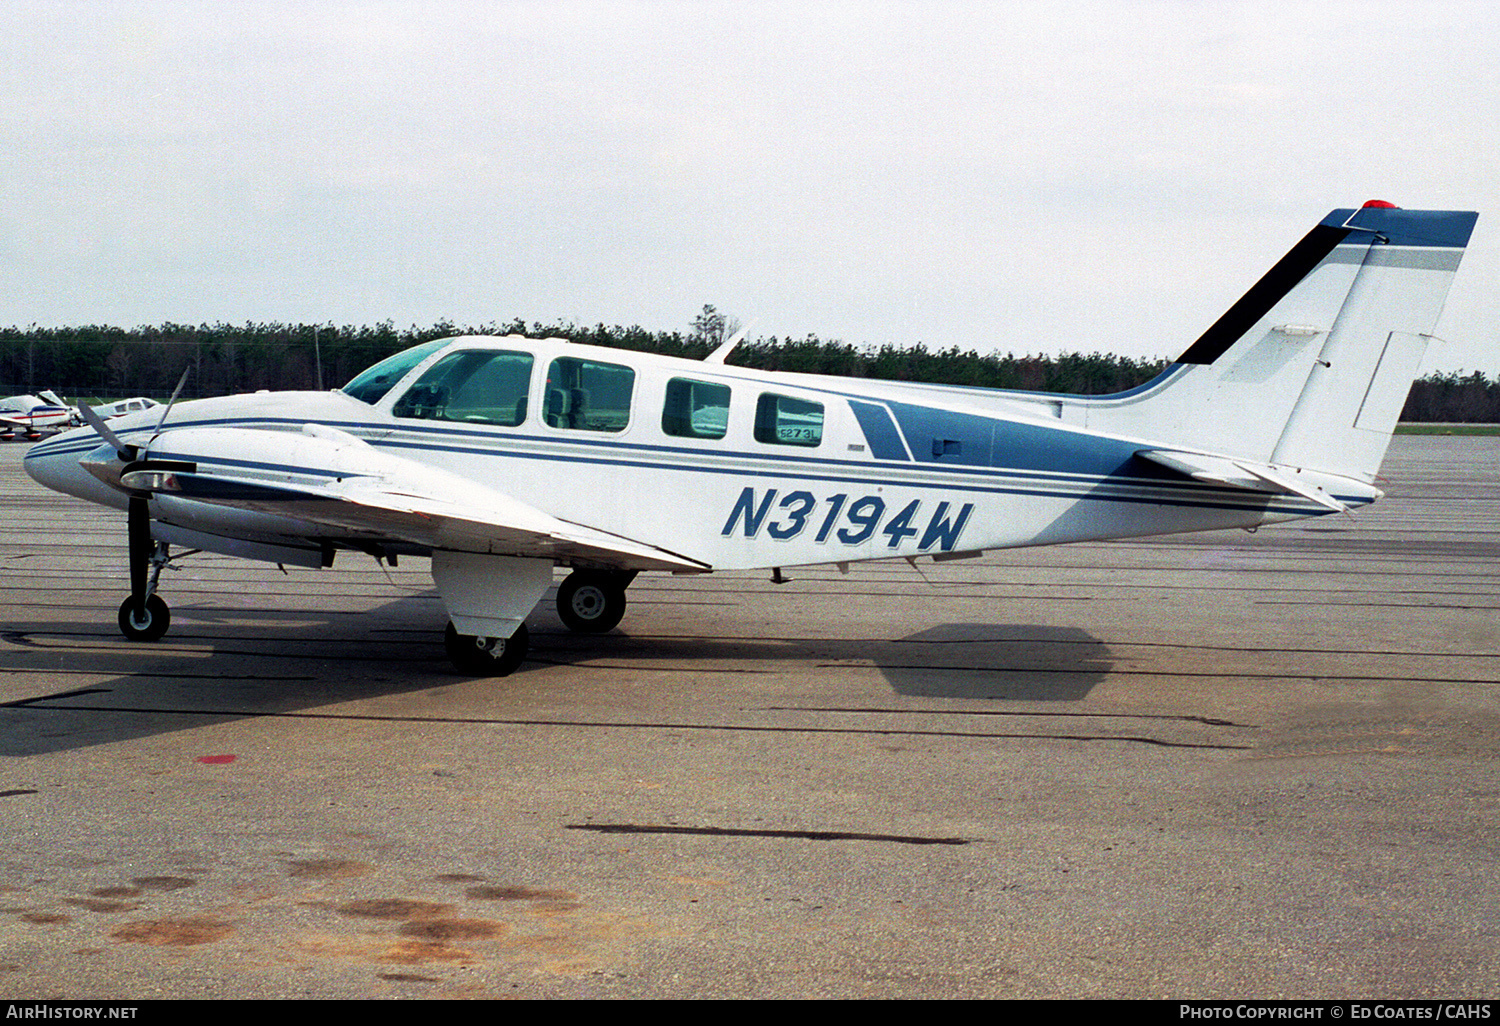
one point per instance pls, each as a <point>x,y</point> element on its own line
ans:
<point>58,464</point>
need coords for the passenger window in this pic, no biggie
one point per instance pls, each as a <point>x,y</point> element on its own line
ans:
<point>695,409</point>
<point>587,396</point>
<point>474,386</point>
<point>782,420</point>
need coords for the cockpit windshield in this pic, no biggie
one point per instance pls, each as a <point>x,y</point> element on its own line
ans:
<point>477,386</point>
<point>372,385</point>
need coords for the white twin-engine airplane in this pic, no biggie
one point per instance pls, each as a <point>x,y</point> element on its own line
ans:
<point>504,457</point>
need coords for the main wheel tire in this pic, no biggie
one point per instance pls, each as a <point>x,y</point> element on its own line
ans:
<point>486,657</point>
<point>148,624</point>
<point>590,603</point>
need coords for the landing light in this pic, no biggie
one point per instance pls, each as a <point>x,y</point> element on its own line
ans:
<point>151,481</point>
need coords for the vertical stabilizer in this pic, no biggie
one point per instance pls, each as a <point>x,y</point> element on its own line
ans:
<point>1311,367</point>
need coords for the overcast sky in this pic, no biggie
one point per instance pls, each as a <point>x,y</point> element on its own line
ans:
<point>1026,177</point>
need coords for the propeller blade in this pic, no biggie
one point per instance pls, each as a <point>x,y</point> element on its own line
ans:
<point>170,402</point>
<point>97,423</point>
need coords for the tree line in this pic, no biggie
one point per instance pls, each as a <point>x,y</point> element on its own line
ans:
<point>103,362</point>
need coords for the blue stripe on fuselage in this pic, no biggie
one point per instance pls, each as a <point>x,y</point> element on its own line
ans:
<point>1020,459</point>
<point>1178,493</point>
<point>881,434</point>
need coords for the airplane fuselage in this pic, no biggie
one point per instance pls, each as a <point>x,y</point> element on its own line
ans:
<point>766,470</point>
<point>31,415</point>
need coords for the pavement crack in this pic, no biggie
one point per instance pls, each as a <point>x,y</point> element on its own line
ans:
<point>1210,721</point>
<point>35,704</point>
<point>808,835</point>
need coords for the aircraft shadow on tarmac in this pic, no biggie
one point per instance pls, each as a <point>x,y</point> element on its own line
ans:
<point>224,665</point>
<point>1016,662</point>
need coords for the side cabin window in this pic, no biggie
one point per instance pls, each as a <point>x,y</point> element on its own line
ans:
<point>587,396</point>
<point>782,420</point>
<point>473,386</point>
<point>695,409</point>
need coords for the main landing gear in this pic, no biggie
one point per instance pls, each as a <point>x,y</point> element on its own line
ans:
<point>486,657</point>
<point>593,601</point>
<point>589,601</point>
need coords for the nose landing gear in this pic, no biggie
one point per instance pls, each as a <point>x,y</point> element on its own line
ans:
<point>146,622</point>
<point>144,615</point>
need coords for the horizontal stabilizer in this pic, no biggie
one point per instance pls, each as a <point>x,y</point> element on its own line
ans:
<point>1260,477</point>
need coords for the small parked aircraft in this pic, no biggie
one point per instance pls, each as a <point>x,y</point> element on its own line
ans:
<point>31,415</point>
<point>121,407</point>
<point>501,458</point>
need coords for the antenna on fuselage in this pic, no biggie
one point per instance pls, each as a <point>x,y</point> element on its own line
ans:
<point>718,355</point>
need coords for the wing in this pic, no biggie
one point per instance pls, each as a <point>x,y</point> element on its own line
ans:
<point>329,478</point>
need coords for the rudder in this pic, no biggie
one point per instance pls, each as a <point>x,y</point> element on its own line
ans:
<point>1347,411</point>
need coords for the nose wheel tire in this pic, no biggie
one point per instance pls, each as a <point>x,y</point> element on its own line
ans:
<point>486,657</point>
<point>590,603</point>
<point>146,621</point>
